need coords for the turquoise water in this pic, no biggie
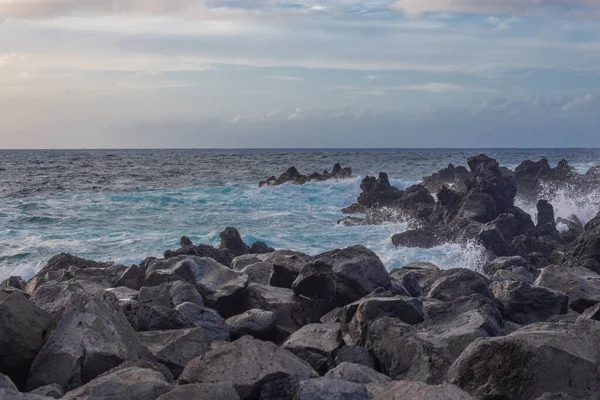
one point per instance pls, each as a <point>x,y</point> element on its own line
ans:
<point>126,205</point>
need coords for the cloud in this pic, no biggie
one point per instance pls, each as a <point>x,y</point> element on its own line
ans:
<point>371,77</point>
<point>502,24</point>
<point>284,78</point>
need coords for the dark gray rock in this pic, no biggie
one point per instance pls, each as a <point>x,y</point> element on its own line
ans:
<point>54,391</point>
<point>525,304</point>
<point>22,330</point>
<point>373,380</point>
<point>585,250</point>
<point>260,248</point>
<point>424,271</point>
<point>505,263</point>
<point>330,389</point>
<point>222,256</point>
<point>581,285</point>
<point>409,280</point>
<point>133,277</point>
<point>317,344</point>
<point>185,241</point>
<point>124,294</point>
<point>259,272</point>
<point>170,294</point>
<point>356,355</point>
<point>89,339</point>
<point>454,283</point>
<point>592,313</point>
<point>342,276</point>
<point>175,348</point>
<point>145,317</point>
<point>536,359</point>
<point>240,262</point>
<point>201,391</point>
<point>10,395</point>
<point>208,319</point>
<point>408,390</point>
<point>232,241</point>
<point>421,238</point>
<point>123,384</point>
<point>286,267</point>
<point>247,364</point>
<point>7,384</point>
<point>257,323</point>
<point>516,274</point>
<point>15,281</point>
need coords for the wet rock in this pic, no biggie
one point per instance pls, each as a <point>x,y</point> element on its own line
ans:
<point>185,241</point>
<point>317,344</point>
<point>122,384</point>
<point>407,390</point>
<point>421,238</point>
<point>232,241</point>
<point>89,339</point>
<point>10,395</point>
<point>409,281</point>
<point>222,256</point>
<point>356,355</point>
<point>423,270</point>
<point>221,287</point>
<point>201,391</point>
<point>572,223</point>
<point>53,391</point>
<point>505,263</point>
<point>260,248</point>
<point>581,285</point>
<point>247,364</point>
<point>293,176</point>
<point>257,323</point>
<point>517,274</point>
<point>170,294</point>
<point>175,348</point>
<point>342,276</point>
<point>457,282</point>
<point>16,282</point>
<point>330,389</point>
<point>536,359</point>
<point>22,330</point>
<point>525,304</point>
<point>545,218</point>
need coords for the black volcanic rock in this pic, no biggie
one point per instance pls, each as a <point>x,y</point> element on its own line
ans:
<point>293,176</point>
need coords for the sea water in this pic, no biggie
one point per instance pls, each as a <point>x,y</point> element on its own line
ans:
<point>125,205</point>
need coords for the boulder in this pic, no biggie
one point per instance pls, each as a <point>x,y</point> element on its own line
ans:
<point>286,267</point>
<point>133,277</point>
<point>89,339</point>
<point>221,287</point>
<point>247,364</point>
<point>22,330</point>
<point>525,304</point>
<point>545,218</point>
<point>592,313</point>
<point>331,389</point>
<point>504,263</point>
<point>292,312</point>
<point>317,344</point>
<point>175,348</point>
<point>581,285</point>
<point>453,283</point>
<point>342,276</point>
<point>145,317</point>
<point>170,294</point>
<point>240,262</point>
<point>423,270</point>
<point>232,241</point>
<point>15,281</point>
<point>516,274</point>
<point>585,250</point>
<point>122,384</point>
<point>409,281</point>
<point>257,323</point>
<point>10,395</point>
<point>222,256</point>
<point>185,241</point>
<point>537,359</point>
<point>124,294</point>
<point>54,391</point>
<point>259,272</point>
<point>356,355</point>
<point>407,390</point>
<point>373,380</point>
<point>7,384</point>
<point>421,238</point>
<point>201,391</point>
<point>208,319</point>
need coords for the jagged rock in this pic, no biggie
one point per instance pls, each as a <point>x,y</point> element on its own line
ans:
<point>342,276</point>
<point>592,313</point>
<point>90,338</point>
<point>133,277</point>
<point>585,250</point>
<point>517,274</point>
<point>423,270</point>
<point>458,282</point>
<point>356,317</point>
<point>170,294</point>
<point>221,288</point>
<point>505,263</point>
<point>286,267</point>
<point>581,285</point>
<point>356,355</point>
<point>447,177</point>
<point>545,218</point>
<point>10,395</point>
<point>257,323</point>
<point>259,272</point>
<point>222,256</point>
<point>421,238</point>
<point>292,312</point>
<point>124,294</point>
<point>185,241</point>
<point>572,223</point>
<point>213,324</point>
<point>536,359</point>
<point>55,297</point>
<point>240,262</point>
<point>54,391</point>
<point>280,389</point>
<point>175,348</point>
<point>145,317</point>
<point>293,176</point>
<point>317,344</point>
<point>247,364</point>
<point>373,380</point>
<point>555,396</point>
<point>22,330</point>
<point>330,389</point>
<point>403,354</point>
<point>525,304</point>
<point>16,282</point>
<point>122,384</point>
<point>232,241</point>
<point>7,384</point>
<point>260,248</point>
<point>201,391</point>
<point>407,390</point>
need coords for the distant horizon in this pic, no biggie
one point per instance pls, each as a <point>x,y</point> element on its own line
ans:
<point>297,148</point>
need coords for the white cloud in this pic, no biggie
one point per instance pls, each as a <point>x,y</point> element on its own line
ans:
<point>502,24</point>
<point>371,77</point>
<point>284,78</point>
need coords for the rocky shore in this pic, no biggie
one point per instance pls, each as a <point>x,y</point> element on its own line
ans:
<point>293,176</point>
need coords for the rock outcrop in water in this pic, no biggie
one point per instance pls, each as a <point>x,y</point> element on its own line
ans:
<point>293,176</point>
<point>333,326</point>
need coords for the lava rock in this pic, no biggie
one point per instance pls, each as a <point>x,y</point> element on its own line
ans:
<point>356,355</point>
<point>525,304</point>
<point>408,390</point>
<point>257,323</point>
<point>170,294</point>
<point>581,285</point>
<point>201,391</point>
<point>317,344</point>
<point>458,282</point>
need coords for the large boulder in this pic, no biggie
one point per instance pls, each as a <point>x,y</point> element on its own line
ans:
<point>356,355</point>
<point>331,389</point>
<point>221,287</point>
<point>317,344</point>
<point>525,304</point>
<point>257,323</point>
<point>89,339</point>
<point>232,241</point>
<point>454,283</point>
<point>122,384</point>
<point>208,319</point>
<point>22,330</point>
<point>537,359</point>
<point>580,284</point>
<point>342,276</point>
<point>175,348</point>
<point>422,238</point>
<point>408,390</point>
<point>286,267</point>
<point>201,391</point>
<point>170,294</point>
<point>259,272</point>
<point>6,394</point>
<point>585,250</point>
<point>145,317</point>
<point>373,380</point>
<point>222,256</point>
<point>247,364</point>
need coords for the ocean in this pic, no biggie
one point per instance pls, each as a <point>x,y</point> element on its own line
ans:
<point>125,205</point>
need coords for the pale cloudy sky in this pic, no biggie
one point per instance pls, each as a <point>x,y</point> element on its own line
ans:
<point>293,73</point>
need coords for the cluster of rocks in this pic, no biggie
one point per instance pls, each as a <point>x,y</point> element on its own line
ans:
<point>285,325</point>
<point>483,210</point>
<point>292,175</point>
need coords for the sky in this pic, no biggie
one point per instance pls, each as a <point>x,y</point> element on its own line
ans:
<point>293,73</point>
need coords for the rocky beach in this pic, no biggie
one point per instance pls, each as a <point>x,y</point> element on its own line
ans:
<point>250,321</point>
